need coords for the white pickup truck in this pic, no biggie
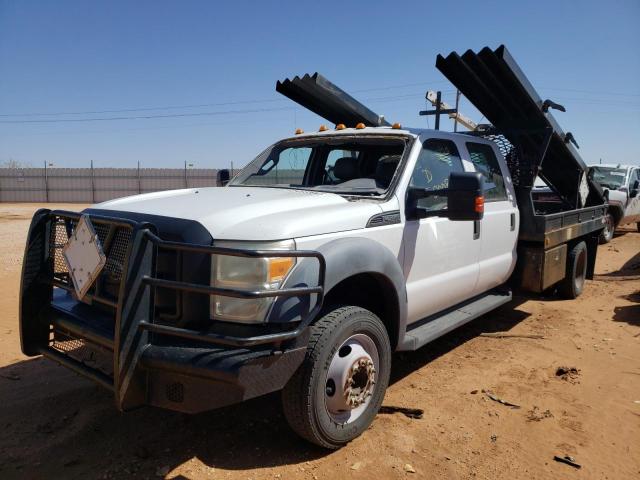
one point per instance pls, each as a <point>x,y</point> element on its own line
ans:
<point>327,253</point>
<point>621,185</point>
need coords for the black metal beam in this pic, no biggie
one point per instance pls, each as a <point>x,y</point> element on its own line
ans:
<point>316,93</point>
<point>494,83</point>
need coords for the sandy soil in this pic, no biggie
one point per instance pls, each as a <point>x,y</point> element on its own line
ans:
<point>54,424</point>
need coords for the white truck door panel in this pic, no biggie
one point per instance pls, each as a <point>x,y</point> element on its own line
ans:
<point>440,256</point>
<point>632,212</point>
<point>499,226</point>
<point>441,265</point>
<point>498,245</point>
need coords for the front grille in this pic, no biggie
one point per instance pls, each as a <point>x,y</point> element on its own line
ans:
<point>114,267</point>
<point>85,352</point>
<point>115,240</point>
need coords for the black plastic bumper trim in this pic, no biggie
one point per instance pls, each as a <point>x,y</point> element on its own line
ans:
<point>65,324</point>
<point>220,339</point>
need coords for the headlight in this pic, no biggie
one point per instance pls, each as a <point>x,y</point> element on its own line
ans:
<point>242,273</point>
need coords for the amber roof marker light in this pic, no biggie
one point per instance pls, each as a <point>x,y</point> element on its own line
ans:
<point>340,126</point>
<point>323,128</point>
<point>396,126</point>
<point>360,126</point>
<point>299,131</point>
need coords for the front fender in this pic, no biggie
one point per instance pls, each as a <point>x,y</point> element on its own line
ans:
<point>617,210</point>
<point>344,258</point>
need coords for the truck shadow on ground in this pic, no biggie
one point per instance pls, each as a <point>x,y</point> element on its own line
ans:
<point>73,430</point>
<point>629,313</point>
<point>631,268</point>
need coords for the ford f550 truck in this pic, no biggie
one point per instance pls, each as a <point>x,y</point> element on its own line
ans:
<point>327,253</point>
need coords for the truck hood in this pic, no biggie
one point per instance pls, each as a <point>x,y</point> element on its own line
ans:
<point>253,213</point>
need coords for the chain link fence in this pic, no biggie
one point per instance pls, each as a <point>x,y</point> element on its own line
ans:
<point>92,185</point>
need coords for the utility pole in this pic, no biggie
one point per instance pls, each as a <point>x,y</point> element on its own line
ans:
<point>186,185</point>
<point>435,98</point>
<point>139,183</point>
<point>455,123</point>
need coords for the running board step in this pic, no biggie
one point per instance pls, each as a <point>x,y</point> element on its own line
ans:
<point>437,325</point>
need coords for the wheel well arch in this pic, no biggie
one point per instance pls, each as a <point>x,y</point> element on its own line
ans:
<point>617,212</point>
<point>371,291</point>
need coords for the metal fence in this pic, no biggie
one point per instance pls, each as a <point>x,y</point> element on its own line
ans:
<point>91,185</point>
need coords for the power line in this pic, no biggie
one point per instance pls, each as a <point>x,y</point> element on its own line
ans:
<point>125,110</point>
<point>148,117</point>
<point>181,115</point>
<point>201,105</point>
<point>599,93</point>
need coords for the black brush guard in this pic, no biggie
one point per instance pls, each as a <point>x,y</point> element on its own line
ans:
<point>202,371</point>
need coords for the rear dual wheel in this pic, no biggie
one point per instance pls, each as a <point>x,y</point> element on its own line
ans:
<point>576,274</point>
<point>337,391</point>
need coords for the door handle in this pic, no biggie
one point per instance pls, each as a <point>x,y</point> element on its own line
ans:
<point>476,229</point>
<point>513,222</point>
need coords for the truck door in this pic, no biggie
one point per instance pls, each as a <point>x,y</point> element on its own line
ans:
<point>441,256</point>
<point>632,212</point>
<point>499,226</point>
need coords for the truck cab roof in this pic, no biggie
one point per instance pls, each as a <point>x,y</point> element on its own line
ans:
<point>613,165</point>
<point>388,130</point>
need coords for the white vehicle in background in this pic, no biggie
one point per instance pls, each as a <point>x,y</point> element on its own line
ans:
<point>621,184</point>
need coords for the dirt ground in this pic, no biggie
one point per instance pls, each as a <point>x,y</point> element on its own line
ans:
<point>54,424</point>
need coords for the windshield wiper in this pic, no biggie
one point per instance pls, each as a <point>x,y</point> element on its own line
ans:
<point>354,192</point>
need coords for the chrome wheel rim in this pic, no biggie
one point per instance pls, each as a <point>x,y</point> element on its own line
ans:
<point>351,379</point>
<point>608,227</point>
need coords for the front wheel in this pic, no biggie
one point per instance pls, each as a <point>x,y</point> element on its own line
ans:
<point>337,391</point>
<point>609,228</point>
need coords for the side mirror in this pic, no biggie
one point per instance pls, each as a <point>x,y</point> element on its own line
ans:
<point>634,189</point>
<point>464,199</point>
<point>223,177</point>
<point>465,196</point>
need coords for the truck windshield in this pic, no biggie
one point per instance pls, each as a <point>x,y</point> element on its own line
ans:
<point>608,177</point>
<point>344,164</point>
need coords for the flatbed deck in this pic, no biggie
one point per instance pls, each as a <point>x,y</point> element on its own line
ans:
<point>557,228</point>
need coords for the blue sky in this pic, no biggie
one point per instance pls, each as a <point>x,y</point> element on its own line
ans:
<point>135,59</point>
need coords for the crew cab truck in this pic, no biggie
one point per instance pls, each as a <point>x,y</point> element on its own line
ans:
<point>327,253</point>
<point>621,184</point>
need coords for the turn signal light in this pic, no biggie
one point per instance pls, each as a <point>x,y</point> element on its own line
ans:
<point>479,204</point>
<point>299,131</point>
<point>396,126</point>
<point>340,126</point>
<point>360,126</point>
<point>323,128</point>
<point>279,267</point>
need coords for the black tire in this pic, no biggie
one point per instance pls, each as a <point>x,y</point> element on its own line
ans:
<point>610,226</point>
<point>638,226</point>
<point>573,283</point>
<point>303,398</point>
